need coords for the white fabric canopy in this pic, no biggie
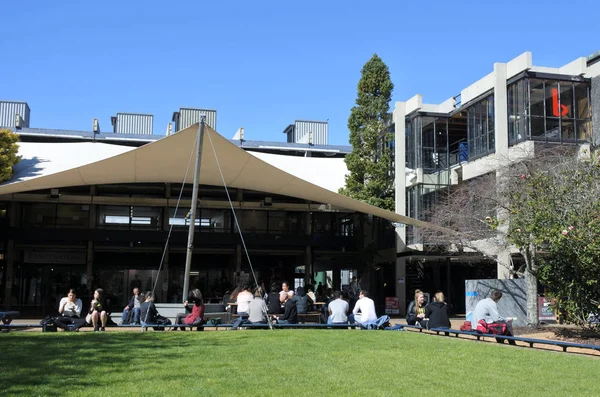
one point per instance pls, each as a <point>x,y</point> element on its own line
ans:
<point>166,161</point>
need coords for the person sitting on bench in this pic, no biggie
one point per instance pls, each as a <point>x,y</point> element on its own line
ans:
<point>438,312</point>
<point>257,309</point>
<point>366,307</point>
<point>195,317</point>
<point>98,313</point>
<point>416,310</point>
<point>131,312</point>
<point>70,310</point>
<point>487,319</point>
<point>338,309</point>
<point>290,314</point>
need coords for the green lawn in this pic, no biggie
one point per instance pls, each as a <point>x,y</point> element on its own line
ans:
<point>283,362</point>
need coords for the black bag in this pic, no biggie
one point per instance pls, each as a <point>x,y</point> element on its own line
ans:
<point>161,320</point>
<point>48,324</point>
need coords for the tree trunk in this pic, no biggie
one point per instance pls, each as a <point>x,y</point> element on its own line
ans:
<point>532,298</point>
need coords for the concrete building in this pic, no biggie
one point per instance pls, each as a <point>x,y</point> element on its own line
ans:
<point>88,209</point>
<point>466,136</point>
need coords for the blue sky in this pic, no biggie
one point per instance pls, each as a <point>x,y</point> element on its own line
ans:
<point>264,64</point>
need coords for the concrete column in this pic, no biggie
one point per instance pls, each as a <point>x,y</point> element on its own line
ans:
<point>238,258</point>
<point>308,259</point>
<point>400,282</point>
<point>448,281</point>
<point>89,264</point>
<point>501,134</point>
<point>399,116</point>
<point>500,111</point>
<point>9,260</point>
<point>163,285</point>
<point>595,99</point>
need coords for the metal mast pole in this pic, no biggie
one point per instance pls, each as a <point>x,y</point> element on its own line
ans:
<point>190,244</point>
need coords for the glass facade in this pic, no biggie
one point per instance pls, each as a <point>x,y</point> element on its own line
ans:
<point>427,143</point>
<point>480,127</point>
<point>549,110</point>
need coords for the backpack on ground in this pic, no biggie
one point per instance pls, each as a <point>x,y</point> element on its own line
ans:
<point>466,326</point>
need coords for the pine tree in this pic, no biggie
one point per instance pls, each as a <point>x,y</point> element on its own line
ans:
<point>370,163</point>
<point>8,153</point>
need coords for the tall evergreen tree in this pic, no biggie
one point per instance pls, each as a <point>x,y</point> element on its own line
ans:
<point>370,163</point>
<point>8,153</point>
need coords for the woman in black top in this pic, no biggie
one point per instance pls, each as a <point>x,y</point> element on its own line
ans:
<point>438,313</point>
<point>273,302</point>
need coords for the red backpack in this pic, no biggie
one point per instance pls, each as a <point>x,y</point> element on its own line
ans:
<point>494,328</point>
<point>466,326</point>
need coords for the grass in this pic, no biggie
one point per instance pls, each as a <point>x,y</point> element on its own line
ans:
<point>282,362</point>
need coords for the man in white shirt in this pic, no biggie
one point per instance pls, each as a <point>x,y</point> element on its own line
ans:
<point>338,310</point>
<point>486,311</point>
<point>366,307</point>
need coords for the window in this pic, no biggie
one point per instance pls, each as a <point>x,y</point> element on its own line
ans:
<point>131,218</point>
<point>56,215</point>
<point>480,128</point>
<point>517,112</point>
<point>548,110</point>
<point>216,220</point>
<point>254,221</point>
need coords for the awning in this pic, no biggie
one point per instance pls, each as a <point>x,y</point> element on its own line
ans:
<point>166,161</point>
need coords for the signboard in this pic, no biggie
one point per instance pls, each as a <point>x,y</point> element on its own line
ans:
<point>55,257</point>
<point>545,310</point>
<point>392,306</point>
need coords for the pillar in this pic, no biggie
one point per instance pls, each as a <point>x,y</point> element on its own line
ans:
<point>399,116</point>
<point>9,261</point>
<point>89,264</point>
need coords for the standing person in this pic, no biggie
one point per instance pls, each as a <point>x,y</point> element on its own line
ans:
<point>353,291</point>
<point>70,310</point>
<point>417,312</point>
<point>338,309</point>
<point>98,313</point>
<point>131,312</point>
<point>438,312</point>
<point>487,317</point>
<point>366,307</point>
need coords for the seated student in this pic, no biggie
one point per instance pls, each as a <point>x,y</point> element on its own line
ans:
<point>366,307</point>
<point>285,293</point>
<point>303,301</point>
<point>338,309</point>
<point>486,316</point>
<point>290,314</point>
<point>98,313</point>
<point>70,310</point>
<point>411,305</point>
<point>273,301</point>
<point>196,315</point>
<point>257,309</point>
<point>131,312</point>
<point>416,312</point>
<point>149,314</point>
<point>243,300</point>
<point>438,313</point>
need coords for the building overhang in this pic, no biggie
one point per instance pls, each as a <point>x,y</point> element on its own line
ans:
<point>167,161</point>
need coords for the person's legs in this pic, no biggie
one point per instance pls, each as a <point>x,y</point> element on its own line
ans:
<point>124,316</point>
<point>179,320</point>
<point>95,321</point>
<point>329,321</point>
<point>136,315</point>
<point>79,322</point>
<point>103,319</point>
<point>63,322</point>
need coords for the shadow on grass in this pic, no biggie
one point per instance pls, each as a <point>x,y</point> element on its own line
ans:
<point>54,364</point>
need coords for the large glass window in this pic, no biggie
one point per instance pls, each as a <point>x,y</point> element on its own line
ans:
<point>412,126</point>
<point>558,111</point>
<point>254,221</point>
<point>126,217</point>
<point>56,215</point>
<point>480,125</point>
<point>517,112</point>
